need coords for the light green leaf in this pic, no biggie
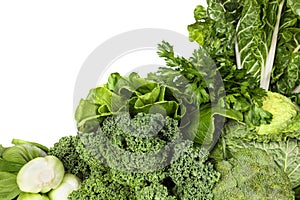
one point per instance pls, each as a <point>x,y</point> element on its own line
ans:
<point>8,166</point>
<point>20,141</point>
<point>1,150</point>
<point>295,6</point>
<point>22,153</point>
<point>8,186</point>
<point>131,94</point>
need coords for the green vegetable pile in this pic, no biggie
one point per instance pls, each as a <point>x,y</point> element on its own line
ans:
<point>222,124</point>
<point>27,172</point>
<point>116,153</point>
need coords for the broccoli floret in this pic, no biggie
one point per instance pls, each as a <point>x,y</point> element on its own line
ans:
<point>251,174</point>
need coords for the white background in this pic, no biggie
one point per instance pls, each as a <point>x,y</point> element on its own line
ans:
<point>43,45</point>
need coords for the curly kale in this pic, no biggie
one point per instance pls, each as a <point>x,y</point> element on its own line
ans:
<point>141,157</point>
<point>193,177</point>
<point>65,150</point>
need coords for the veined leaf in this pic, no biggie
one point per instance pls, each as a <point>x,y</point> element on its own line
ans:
<point>256,38</point>
<point>8,166</point>
<point>22,153</point>
<point>8,186</point>
<point>131,94</point>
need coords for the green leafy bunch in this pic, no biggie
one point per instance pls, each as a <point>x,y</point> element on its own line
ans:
<point>251,40</point>
<point>140,157</point>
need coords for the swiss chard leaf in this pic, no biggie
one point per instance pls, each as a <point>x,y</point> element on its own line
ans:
<point>259,38</point>
<point>256,38</point>
<point>215,31</point>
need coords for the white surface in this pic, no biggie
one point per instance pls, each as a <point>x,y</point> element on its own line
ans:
<point>43,45</point>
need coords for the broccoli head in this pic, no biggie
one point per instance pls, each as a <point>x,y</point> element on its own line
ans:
<point>251,174</point>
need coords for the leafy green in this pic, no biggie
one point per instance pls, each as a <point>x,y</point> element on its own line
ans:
<point>283,147</point>
<point>22,153</point>
<point>12,159</point>
<point>142,144</point>
<point>285,154</point>
<point>256,38</point>
<point>197,75</point>
<point>282,113</point>
<point>193,178</point>
<point>295,6</point>
<point>65,150</point>
<point>251,174</point>
<point>252,40</point>
<point>8,166</point>
<point>8,186</point>
<point>140,157</point>
<point>132,94</point>
<point>19,142</point>
<point>1,149</point>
